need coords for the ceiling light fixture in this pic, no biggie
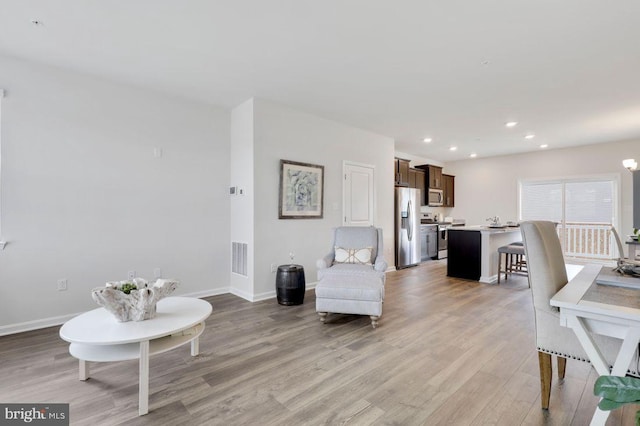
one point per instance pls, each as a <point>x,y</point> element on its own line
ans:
<point>530,136</point>
<point>36,22</point>
<point>511,124</point>
<point>631,164</point>
<point>453,148</point>
<point>474,155</point>
<point>544,146</point>
<point>427,140</point>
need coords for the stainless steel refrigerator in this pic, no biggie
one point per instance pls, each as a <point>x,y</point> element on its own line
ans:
<point>407,218</point>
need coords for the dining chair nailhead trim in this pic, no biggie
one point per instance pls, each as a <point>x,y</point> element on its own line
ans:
<point>634,373</point>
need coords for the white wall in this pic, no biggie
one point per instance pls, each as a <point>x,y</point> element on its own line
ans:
<point>489,187</point>
<point>242,205</point>
<point>83,197</point>
<point>283,133</point>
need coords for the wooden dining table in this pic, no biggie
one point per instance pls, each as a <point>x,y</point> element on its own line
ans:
<point>590,308</point>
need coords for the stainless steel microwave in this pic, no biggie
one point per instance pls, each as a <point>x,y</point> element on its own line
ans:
<point>435,197</point>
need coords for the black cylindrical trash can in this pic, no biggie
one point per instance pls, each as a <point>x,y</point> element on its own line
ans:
<point>290,285</point>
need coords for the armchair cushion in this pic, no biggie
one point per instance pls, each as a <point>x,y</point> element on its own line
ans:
<point>353,255</point>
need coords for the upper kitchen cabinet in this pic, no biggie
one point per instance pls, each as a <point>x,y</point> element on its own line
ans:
<point>402,172</point>
<point>448,190</point>
<point>433,176</point>
<point>419,182</point>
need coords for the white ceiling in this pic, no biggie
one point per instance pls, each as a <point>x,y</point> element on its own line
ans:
<point>568,71</point>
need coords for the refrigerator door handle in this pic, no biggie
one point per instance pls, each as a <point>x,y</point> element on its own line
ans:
<point>409,219</point>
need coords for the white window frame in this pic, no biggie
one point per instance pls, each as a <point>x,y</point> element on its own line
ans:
<point>615,178</point>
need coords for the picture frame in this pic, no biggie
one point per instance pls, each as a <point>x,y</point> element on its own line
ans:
<point>301,190</point>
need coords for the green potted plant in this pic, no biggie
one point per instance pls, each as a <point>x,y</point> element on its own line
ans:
<point>617,391</point>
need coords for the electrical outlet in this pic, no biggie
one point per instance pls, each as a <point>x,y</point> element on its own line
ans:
<point>274,267</point>
<point>131,275</point>
<point>62,284</point>
<point>157,273</point>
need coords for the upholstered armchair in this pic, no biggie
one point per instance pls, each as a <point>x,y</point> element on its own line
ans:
<point>547,275</point>
<point>351,276</point>
<point>354,250</point>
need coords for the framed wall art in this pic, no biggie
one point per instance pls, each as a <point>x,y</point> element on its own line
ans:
<point>301,190</point>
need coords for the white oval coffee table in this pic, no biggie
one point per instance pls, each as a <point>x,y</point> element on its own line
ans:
<point>97,336</point>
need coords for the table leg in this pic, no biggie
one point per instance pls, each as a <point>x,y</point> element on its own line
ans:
<point>599,418</point>
<point>195,343</point>
<point>620,366</point>
<point>143,397</point>
<point>83,370</point>
<point>195,346</point>
<point>589,346</point>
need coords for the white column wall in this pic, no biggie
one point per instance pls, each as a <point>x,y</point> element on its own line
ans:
<point>242,205</point>
<point>283,133</point>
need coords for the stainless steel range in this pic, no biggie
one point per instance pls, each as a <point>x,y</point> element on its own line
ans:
<point>443,236</point>
<point>443,240</point>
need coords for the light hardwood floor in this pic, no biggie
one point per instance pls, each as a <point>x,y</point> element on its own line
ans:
<point>447,351</point>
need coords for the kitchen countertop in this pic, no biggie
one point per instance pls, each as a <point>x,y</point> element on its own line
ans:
<point>431,222</point>
<point>486,229</point>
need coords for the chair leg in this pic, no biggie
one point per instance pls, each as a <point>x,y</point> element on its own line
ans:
<point>562,366</point>
<point>546,372</point>
<point>374,320</point>
<point>323,316</point>
<point>499,265</point>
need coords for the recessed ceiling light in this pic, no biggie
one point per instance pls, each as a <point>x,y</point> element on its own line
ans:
<point>453,148</point>
<point>427,140</point>
<point>474,155</point>
<point>530,136</point>
<point>37,22</point>
<point>544,145</point>
<point>511,124</point>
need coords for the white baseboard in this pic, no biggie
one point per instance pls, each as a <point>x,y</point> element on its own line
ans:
<point>264,296</point>
<point>493,279</point>
<point>207,293</point>
<point>21,327</point>
<point>241,294</point>
<point>35,324</point>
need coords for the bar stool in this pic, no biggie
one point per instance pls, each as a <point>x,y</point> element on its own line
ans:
<point>513,251</point>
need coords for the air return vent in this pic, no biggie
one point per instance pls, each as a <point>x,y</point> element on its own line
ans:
<point>239,258</point>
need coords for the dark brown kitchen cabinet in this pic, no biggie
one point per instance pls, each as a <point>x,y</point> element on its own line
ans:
<point>433,175</point>
<point>421,184</point>
<point>448,190</point>
<point>412,178</point>
<point>401,172</point>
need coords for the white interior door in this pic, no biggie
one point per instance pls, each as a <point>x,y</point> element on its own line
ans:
<point>358,194</point>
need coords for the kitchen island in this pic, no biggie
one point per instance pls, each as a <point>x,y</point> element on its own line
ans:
<point>473,251</point>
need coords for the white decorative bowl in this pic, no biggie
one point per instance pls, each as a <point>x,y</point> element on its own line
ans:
<point>139,304</point>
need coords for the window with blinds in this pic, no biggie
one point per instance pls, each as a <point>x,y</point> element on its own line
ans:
<point>585,210</point>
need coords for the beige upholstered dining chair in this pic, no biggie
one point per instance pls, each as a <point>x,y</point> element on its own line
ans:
<point>622,259</point>
<point>547,275</point>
